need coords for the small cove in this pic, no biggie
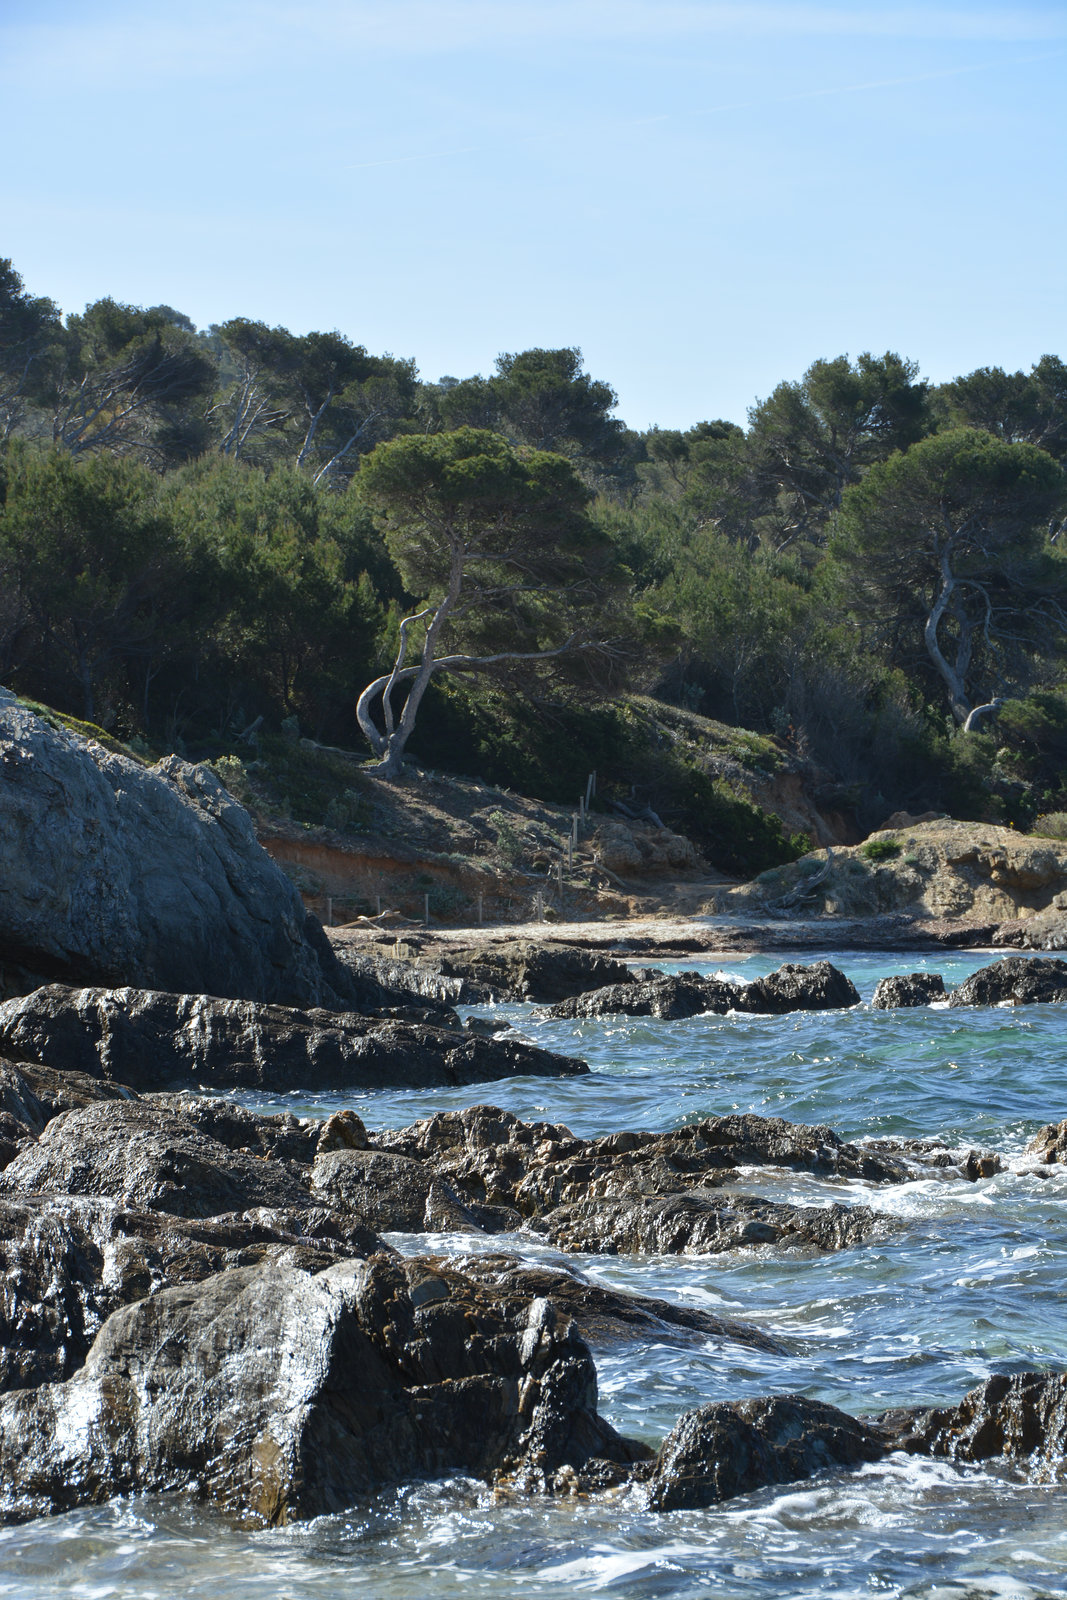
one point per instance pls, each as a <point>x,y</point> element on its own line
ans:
<point>964,1280</point>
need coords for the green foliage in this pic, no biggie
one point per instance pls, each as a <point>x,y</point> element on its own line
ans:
<point>1053,825</point>
<point>880,849</point>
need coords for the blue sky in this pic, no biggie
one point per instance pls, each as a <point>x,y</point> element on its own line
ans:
<point>703,197</point>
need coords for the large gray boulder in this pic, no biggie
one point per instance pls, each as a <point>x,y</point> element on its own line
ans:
<point>279,1393</point>
<point>111,872</point>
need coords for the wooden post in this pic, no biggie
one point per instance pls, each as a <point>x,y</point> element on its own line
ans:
<point>590,789</point>
<point>540,905</point>
<point>570,853</point>
<point>426,909</point>
<point>559,878</point>
<point>479,911</point>
<point>574,830</point>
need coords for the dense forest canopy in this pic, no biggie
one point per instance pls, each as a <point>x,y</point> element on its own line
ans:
<point>206,531</point>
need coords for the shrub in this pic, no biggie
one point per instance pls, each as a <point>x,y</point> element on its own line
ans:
<point>880,849</point>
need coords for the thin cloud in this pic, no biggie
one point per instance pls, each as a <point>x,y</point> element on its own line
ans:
<point>220,38</point>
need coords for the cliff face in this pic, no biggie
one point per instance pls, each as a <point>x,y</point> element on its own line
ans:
<point>111,872</point>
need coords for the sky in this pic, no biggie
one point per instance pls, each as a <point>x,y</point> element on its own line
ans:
<point>703,197</point>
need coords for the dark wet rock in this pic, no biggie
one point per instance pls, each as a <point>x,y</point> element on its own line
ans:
<point>911,989</point>
<point>1049,1144</point>
<point>395,1194</point>
<point>67,1262</point>
<point>149,1159</point>
<point>818,987</point>
<point>31,1095</point>
<point>608,1316</point>
<point>153,1040</point>
<point>111,872</point>
<point>493,1157</point>
<point>733,1447</point>
<point>381,985</point>
<point>1017,980</point>
<point>670,999</point>
<point>703,1222</point>
<point>794,987</point>
<point>277,1393</point>
<point>925,1156</point>
<point>541,972</point>
<point>1022,1417</point>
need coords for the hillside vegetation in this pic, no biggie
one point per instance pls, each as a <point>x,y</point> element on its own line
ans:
<point>768,637</point>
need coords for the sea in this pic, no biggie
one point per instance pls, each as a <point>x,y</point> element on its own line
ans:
<point>969,1279</point>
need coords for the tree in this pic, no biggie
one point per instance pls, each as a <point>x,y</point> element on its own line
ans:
<point>500,549</point>
<point>810,440</point>
<point>122,379</point>
<point>92,560</point>
<point>948,541</point>
<point>319,400</point>
<point>543,399</point>
<point>1019,407</point>
<point>27,326</point>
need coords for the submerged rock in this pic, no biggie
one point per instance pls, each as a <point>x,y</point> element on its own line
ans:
<point>1017,980</point>
<point>153,1040</point>
<point>1022,1417</point>
<point>911,989</point>
<point>111,872</point>
<point>733,1447</point>
<point>279,1393</point>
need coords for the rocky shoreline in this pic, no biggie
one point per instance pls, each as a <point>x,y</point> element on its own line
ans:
<point>197,1296</point>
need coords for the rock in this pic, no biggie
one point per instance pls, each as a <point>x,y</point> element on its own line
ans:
<point>490,1157</point>
<point>631,850</point>
<point>67,1262</point>
<point>1022,1417</point>
<point>938,868</point>
<point>818,987</point>
<point>1049,1144</point>
<point>914,989</point>
<point>541,972</point>
<point>381,984</point>
<point>278,1393</point>
<point>924,1156</point>
<point>151,1160</point>
<point>159,1041</point>
<point>395,1194</point>
<point>687,995</point>
<point>733,1447</point>
<point>1017,980</point>
<point>603,1315</point>
<point>702,1222</point>
<point>343,1131</point>
<point>111,872</point>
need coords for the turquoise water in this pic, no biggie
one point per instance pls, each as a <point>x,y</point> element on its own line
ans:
<point>966,1280</point>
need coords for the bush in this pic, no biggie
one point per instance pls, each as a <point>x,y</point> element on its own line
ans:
<point>880,849</point>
